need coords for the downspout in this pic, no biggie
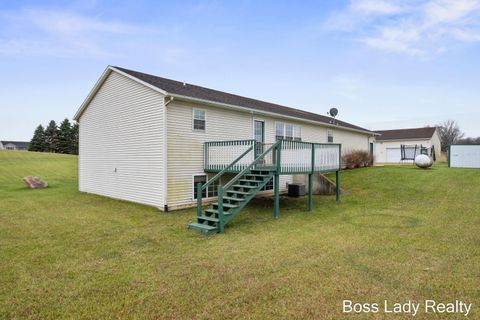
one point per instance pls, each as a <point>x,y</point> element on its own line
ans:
<point>168,102</point>
<point>165,156</point>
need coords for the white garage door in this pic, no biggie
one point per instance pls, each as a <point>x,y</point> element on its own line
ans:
<point>464,156</point>
<point>393,155</point>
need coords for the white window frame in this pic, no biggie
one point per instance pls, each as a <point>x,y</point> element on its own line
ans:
<point>283,129</point>
<point>295,128</point>
<point>193,120</point>
<point>330,134</point>
<point>207,179</point>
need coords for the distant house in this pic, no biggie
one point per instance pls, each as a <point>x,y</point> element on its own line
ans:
<point>387,145</point>
<point>14,145</point>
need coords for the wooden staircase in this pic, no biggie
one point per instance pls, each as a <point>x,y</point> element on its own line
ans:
<point>254,171</point>
<point>234,199</point>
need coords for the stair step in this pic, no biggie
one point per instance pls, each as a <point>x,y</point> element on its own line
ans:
<point>238,192</point>
<point>249,180</point>
<point>233,198</point>
<point>226,205</point>
<point>260,172</point>
<point>213,219</point>
<point>256,175</point>
<point>215,211</point>
<point>244,186</point>
<point>203,228</point>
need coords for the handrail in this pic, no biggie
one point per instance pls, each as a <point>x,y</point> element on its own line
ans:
<point>257,159</point>
<point>200,188</point>
<point>210,181</point>
<point>221,189</point>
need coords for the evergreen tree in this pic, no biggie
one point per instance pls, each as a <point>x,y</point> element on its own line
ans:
<point>74,145</point>
<point>65,137</point>
<point>38,140</point>
<point>51,137</point>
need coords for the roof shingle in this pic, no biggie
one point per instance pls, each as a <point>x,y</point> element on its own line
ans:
<point>198,92</point>
<point>406,134</point>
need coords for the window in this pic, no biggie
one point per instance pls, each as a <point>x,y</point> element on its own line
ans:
<point>279,130</point>
<point>297,133</point>
<point>199,120</point>
<point>269,185</point>
<point>288,131</point>
<point>212,189</point>
<point>330,136</point>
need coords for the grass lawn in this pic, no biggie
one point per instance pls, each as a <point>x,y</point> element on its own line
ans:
<point>399,233</point>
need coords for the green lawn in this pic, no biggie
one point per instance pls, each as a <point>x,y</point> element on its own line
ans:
<point>398,233</point>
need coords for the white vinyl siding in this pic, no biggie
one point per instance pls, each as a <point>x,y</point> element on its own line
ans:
<point>185,147</point>
<point>122,142</point>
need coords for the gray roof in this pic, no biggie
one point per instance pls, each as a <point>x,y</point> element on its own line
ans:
<point>406,134</point>
<point>198,92</point>
<point>19,144</point>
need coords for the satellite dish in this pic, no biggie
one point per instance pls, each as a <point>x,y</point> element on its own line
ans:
<point>333,112</point>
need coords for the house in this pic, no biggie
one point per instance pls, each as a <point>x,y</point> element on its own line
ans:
<point>152,140</point>
<point>387,145</point>
<point>14,145</point>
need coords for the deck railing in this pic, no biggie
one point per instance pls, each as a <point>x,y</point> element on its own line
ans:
<point>218,155</point>
<point>296,157</point>
<point>328,157</point>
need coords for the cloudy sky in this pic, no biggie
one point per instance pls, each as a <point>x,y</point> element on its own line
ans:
<point>383,64</point>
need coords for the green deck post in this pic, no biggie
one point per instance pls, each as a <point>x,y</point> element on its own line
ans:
<point>310,180</point>
<point>337,174</point>
<point>449,154</point>
<point>337,185</point>
<point>199,199</point>
<point>276,182</point>
<point>221,222</point>
<point>310,191</point>
<point>276,209</point>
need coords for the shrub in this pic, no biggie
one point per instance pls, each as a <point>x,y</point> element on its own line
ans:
<point>357,159</point>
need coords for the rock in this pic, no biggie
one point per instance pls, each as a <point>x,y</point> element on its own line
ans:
<point>423,161</point>
<point>35,182</point>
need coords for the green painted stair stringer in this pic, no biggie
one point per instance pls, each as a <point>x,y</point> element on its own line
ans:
<point>208,222</point>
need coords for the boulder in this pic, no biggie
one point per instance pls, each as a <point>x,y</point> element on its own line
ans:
<point>423,161</point>
<point>35,182</point>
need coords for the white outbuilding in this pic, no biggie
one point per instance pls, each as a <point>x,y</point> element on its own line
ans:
<point>388,143</point>
<point>464,156</point>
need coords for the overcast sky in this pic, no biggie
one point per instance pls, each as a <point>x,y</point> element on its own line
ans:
<point>383,64</point>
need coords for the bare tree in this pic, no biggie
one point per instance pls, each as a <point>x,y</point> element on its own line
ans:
<point>449,132</point>
<point>469,140</point>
